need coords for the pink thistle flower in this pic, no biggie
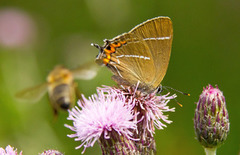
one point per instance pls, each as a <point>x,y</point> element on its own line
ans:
<point>106,116</point>
<point>51,152</point>
<point>153,106</point>
<point>17,28</point>
<point>9,151</point>
<point>150,109</point>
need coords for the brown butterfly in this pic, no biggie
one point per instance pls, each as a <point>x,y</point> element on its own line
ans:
<point>141,55</point>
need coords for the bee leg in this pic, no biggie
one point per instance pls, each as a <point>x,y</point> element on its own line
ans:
<point>55,113</point>
<point>77,92</point>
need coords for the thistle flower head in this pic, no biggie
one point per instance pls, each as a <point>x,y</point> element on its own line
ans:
<point>101,115</point>
<point>151,113</point>
<point>9,151</point>
<point>211,120</point>
<point>17,29</point>
<point>151,108</point>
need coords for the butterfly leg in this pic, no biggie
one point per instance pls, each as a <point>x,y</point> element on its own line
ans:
<point>120,81</point>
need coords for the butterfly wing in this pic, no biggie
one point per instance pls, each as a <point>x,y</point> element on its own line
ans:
<point>157,34</point>
<point>129,60</point>
<point>141,55</point>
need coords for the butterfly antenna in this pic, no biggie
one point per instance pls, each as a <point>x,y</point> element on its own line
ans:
<point>95,45</point>
<point>167,88</point>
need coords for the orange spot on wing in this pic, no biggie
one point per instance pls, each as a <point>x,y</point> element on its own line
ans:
<point>106,61</point>
<point>119,44</point>
<point>123,42</point>
<point>116,45</point>
<point>108,56</point>
<point>111,48</point>
<point>107,51</point>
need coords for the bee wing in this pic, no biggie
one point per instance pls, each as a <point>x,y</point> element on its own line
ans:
<point>32,94</point>
<point>86,72</point>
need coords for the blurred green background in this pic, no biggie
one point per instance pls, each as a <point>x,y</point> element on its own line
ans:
<point>206,50</point>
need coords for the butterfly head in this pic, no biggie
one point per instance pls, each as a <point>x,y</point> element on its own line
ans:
<point>101,55</point>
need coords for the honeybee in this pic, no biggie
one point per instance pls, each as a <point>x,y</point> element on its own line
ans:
<point>61,87</point>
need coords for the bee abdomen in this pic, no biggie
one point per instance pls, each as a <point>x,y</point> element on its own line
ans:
<point>61,96</point>
<point>63,103</point>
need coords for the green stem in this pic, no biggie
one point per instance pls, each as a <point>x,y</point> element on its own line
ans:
<point>210,151</point>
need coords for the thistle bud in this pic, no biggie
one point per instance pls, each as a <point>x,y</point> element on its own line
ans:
<point>211,120</point>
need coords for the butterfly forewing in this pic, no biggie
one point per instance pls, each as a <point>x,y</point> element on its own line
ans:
<point>129,60</point>
<point>157,33</point>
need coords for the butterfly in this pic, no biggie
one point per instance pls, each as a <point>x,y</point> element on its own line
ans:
<point>140,55</point>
